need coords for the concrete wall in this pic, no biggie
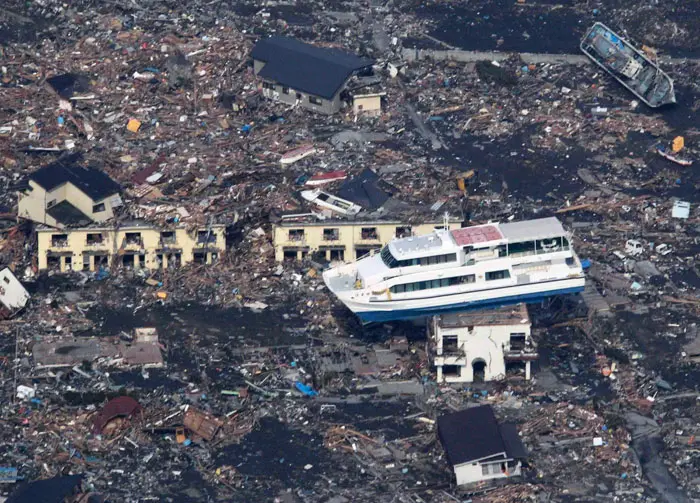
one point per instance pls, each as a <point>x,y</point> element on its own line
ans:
<point>32,204</point>
<point>349,237</point>
<point>370,105</point>
<point>113,245</point>
<point>481,343</point>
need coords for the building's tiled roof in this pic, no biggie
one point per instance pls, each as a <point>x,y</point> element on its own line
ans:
<point>303,67</point>
<point>474,433</point>
<point>93,182</point>
<point>67,214</point>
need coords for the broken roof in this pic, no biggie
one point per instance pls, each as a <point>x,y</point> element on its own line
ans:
<point>67,214</point>
<point>474,433</point>
<point>364,190</point>
<point>304,67</point>
<point>93,182</point>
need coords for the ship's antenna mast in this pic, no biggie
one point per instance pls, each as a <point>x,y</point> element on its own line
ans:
<point>446,221</point>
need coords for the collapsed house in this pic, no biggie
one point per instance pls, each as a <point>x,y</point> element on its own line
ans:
<point>294,72</point>
<point>65,193</point>
<point>479,448</point>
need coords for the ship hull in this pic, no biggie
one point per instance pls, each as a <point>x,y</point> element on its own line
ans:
<point>652,95</point>
<point>388,310</point>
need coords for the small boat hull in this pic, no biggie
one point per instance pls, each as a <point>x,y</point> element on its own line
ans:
<point>629,66</point>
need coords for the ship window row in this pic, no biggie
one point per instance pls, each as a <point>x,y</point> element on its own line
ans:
<point>537,247</point>
<point>436,283</point>
<point>391,261</point>
<point>493,275</point>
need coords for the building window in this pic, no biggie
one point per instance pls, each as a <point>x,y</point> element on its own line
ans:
<point>517,342</point>
<point>485,469</point>
<point>6,280</point>
<point>50,203</point>
<point>450,345</point>
<point>94,238</point>
<point>337,255</point>
<point>206,237</point>
<point>331,234</point>
<point>285,90</point>
<point>268,85</point>
<point>403,232</point>
<point>98,208</point>
<point>296,234</point>
<point>133,238</point>
<point>315,101</point>
<point>452,371</point>
<point>59,240</point>
<point>369,233</point>
<point>167,237</point>
<point>494,275</point>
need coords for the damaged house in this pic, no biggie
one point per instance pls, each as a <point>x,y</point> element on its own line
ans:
<point>64,194</point>
<point>482,345</point>
<point>294,72</point>
<point>478,447</point>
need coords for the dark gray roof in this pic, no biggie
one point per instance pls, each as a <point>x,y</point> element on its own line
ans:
<point>474,433</point>
<point>304,67</point>
<point>67,214</point>
<point>93,182</point>
<point>364,190</point>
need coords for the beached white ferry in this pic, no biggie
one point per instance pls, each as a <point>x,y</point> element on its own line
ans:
<point>473,267</point>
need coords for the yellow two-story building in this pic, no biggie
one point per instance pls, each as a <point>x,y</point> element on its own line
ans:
<point>134,245</point>
<point>343,240</point>
<point>64,193</point>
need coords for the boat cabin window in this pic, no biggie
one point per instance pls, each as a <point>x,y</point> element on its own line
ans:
<point>438,259</point>
<point>525,248</point>
<point>493,275</point>
<point>436,283</point>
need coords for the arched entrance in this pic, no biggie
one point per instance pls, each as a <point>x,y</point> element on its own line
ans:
<point>479,370</point>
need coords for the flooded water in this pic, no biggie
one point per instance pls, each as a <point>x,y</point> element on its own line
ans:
<point>279,454</point>
<point>556,26</point>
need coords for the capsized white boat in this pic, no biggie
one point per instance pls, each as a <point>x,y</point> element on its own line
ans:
<point>326,200</point>
<point>473,267</point>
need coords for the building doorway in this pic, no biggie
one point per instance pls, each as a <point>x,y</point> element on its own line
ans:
<point>479,370</point>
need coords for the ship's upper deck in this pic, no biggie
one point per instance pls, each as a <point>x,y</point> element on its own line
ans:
<point>478,236</point>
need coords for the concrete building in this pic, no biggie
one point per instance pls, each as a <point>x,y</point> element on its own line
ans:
<point>294,72</point>
<point>343,240</point>
<point>64,194</point>
<point>479,448</point>
<point>367,104</point>
<point>13,295</point>
<point>482,345</point>
<point>135,245</point>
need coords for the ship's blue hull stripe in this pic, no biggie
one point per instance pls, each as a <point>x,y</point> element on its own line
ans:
<point>403,314</point>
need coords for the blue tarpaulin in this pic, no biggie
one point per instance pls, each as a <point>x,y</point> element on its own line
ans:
<point>307,390</point>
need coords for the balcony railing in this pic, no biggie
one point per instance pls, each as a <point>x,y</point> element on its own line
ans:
<point>520,351</point>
